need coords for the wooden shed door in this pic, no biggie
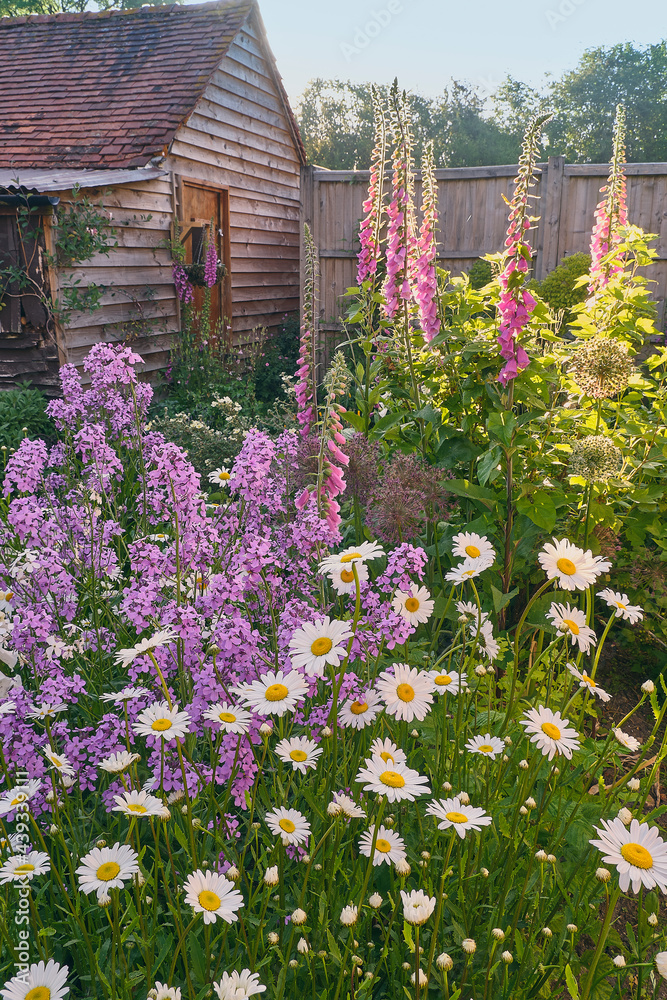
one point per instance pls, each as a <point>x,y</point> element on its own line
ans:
<point>200,203</point>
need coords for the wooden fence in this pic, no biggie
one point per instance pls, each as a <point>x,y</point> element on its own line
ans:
<point>473,220</point>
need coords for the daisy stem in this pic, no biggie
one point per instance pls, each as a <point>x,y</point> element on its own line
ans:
<point>640,913</point>
<point>442,619</point>
<point>417,963</point>
<point>515,669</point>
<point>181,939</point>
<point>601,644</point>
<point>602,940</point>
<point>162,680</point>
<point>438,911</point>
<point>371,857</point>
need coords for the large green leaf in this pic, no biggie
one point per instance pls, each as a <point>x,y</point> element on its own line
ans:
<point>539,508</point>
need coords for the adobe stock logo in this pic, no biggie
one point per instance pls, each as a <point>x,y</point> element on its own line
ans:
<point>364,35</point>
<point>565,9</point>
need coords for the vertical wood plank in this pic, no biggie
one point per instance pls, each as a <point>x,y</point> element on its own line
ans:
<point>552,195</point>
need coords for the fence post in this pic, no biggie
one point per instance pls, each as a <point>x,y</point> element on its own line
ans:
<point>547,260</point>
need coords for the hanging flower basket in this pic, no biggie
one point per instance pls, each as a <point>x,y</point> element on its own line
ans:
<point>196,274</point>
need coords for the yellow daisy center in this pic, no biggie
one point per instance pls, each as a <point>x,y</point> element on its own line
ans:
<point>136,808</point>
<point>108,871</point>
<point>358,707</point>
<point>382,845</point>
<point>472,551</point>
<point>159,725</point>
<point>9,595</point>
<point>387,757</point>
<point>321,646</point>
<point>18,799</point>
<point>208,900</point>
<point>24,869</point>
<point>346,575</point>
<point>56,761</point>
<point>469,572</point>
<point>287,825</point>
<point>589,680</point>
<point>553,732</point>
<point>442,680</point>
<point>637,856</point>
<point>224,475</point>
<point>298,755</point>
<point>456,817</point>
<point>486,748</point>
<point>350,557</point>
<point>38,993</point>
<point>566,566</point>
<point>393,779</point>
<point>276,692</point>
<point>412,604</point>
<point>405,692</point>
<point>227,717</point>
<point>571,626</point>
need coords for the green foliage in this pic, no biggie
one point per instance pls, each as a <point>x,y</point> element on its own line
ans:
<point>561,288</point>
<point>23,414</point>
<point>20,8</point>
<point>276,358</point>
<point>480,274</point>
<point>208,449</point>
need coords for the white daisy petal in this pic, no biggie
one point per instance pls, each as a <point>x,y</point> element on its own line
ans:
<point>588,683</point>
<point>213,895</point>
<point>550,732</point>
<point>468,545</point>
<point>289,824</point>
<point>416,606</point>
<point>274,693</point>
<point>637,851</point>
<point>46,981</point>
<point>389,846</point>
<point>448,681</point>
<point>314,646</point>
<point>300,752</point>
<point>487,745</point>
<point>407,693</point>
<point>453,813</point>
<point>396,782</point>
<point>620,602</point>
<point>570,566</point>
<point>106,868</point>
<point>357,713</point>
<point>571,621</point>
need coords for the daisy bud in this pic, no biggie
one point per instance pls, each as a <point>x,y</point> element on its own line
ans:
<point>104,900</point>
<point>368,975</point>
<point>165,813</point>
<point>50,796</point>
<point>406,966</point>
<point>299,917</point>
<point>272,938</point>
<point>505,758</point>
<point>484,872</point>
<point>302,946</point>
<point>480,670</point>
<point>292,963</point>
<point>389,820</point>
<point>648,687</point>
<point>498,933</point>
<point>100,843</point>
<point>603,874</point>
<point>523,764</point>
<point>422,978</point>
<point>541,855</point>
<point>265,729</point>
<point>508,740</point>
<point>356,960</point>
<point>446,787</point>
<point>54,829</point>
<point>625,816</point>
<point>523,811</point>
<point>426,855</point>
<point>255,826</point>
<point>507,957</point>
<point>271,876</point>
<point>184,810</point>
<point>149,900</point>
<point>444,962</point>
<point>572,928</point>
<point>196,822</point>
<point>175,796</point>
<point>402,868</point>
<point>619,961</point>
<point>530,803</point>
<point>556,771</point>
<point>634,784</point>
<point>213,650</point>
<point>415,733</point>
<point>318,868</point>
<point>547,932</point>
<point>326,733</point>
<point>322,954</point>
<point>375,901</point>
<point>348,916</point>
<point>233,874</point>
<point>305,860</point>
<point>551,858</point>
<point>464,798</point>
<point>139,880</point>
<point>653,919</point>
<point>333,809</point>
<point>469,946</point>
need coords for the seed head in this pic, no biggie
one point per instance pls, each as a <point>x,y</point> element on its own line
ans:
<point>601,367</point>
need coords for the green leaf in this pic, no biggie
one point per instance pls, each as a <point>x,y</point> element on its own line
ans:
<point>539,508</point>
<point>462,488</point>
<point>572,987</point>
<point>501,600</point>
<point>487,463</point>
<point>501,426</point>
<point>355,419</point>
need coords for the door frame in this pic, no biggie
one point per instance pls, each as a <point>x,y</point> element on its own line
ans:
<point>223,224</point>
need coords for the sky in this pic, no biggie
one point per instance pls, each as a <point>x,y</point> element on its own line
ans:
<point>427,42</point>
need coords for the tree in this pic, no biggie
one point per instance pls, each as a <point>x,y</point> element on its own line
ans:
<point>336,122</point>
<point>21,8</point>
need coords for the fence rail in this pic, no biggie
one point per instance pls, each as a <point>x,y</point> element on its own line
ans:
<point>473,220</point>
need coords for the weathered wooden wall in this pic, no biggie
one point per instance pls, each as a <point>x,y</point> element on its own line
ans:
<point>473,219</point>
<point>239,137</point>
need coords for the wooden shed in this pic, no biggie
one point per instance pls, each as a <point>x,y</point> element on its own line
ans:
<point>157,114</point>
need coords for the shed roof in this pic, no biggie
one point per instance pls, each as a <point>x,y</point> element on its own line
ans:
<point>107,89</point>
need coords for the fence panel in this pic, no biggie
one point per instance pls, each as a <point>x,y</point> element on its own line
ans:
<point>473,220</point>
